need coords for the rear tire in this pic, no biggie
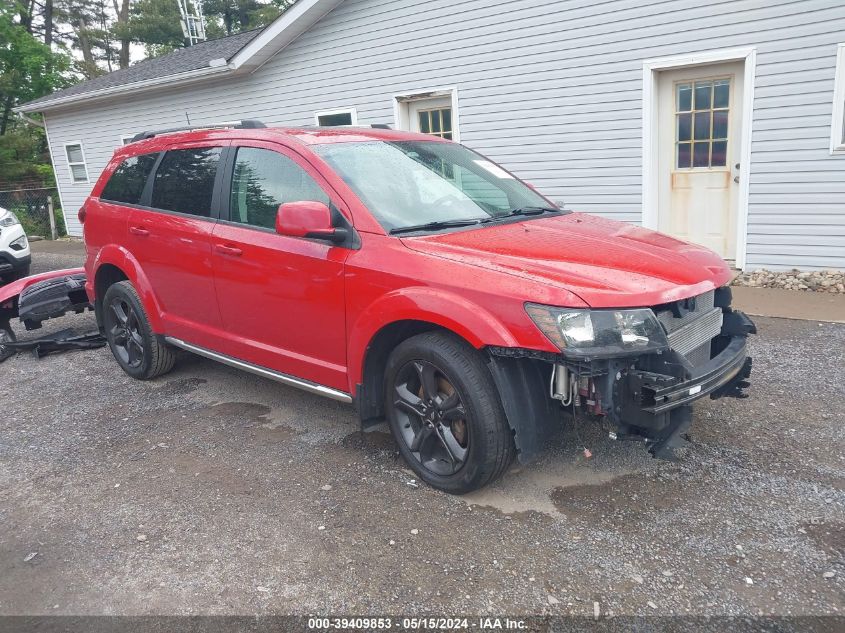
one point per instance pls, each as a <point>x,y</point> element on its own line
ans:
<point>445,413</point>
<point>135,346</point>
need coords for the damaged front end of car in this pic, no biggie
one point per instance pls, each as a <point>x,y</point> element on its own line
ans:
<point>637,371</point>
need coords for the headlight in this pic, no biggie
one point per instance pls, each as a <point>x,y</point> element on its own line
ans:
<point>599,333</point>
<point>9,220</point>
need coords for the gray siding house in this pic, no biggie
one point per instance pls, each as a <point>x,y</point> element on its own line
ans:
<point>720,122</point>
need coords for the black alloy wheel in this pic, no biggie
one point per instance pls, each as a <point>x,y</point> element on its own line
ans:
<point>445,412</point>
<point>124,331</point>
<point>432,417</point>
<point>136,348</point>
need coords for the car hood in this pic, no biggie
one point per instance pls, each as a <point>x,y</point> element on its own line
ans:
<point>606,263</point>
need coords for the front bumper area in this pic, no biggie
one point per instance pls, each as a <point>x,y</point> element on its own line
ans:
<point>653,393</point>
<point>647,398</point>
<point>653,399</point>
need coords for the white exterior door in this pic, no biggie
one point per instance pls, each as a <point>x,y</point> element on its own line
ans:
<point>698,141</point>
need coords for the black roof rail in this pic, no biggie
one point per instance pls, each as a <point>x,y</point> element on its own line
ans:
<point>246,124</point>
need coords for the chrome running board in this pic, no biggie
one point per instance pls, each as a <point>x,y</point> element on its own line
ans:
<point>299,383</point>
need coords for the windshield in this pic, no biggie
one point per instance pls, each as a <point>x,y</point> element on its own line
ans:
<point>408,184</point>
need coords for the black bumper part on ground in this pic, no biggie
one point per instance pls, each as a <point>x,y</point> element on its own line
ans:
<point>52,298</point>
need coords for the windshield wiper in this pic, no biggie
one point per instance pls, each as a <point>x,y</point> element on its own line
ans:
<point>434,226</point>
<point>523,211</point>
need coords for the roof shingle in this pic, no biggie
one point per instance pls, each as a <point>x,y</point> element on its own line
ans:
<point>179,61</point>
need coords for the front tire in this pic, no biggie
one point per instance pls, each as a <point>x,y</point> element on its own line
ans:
<point>445,414</point>
<point>131,339</point>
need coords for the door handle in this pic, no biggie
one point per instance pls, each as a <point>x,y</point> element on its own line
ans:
<point>139,230</point>
<point>228,250</point>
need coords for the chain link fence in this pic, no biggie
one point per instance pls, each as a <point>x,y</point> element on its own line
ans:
<point>34,206</point>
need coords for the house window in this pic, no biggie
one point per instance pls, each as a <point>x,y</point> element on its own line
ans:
<point>437,122</point>
<point>126,139</point>
<point>702,109</point>
<point>76,162</point>
<point>337,118</point>
<point>837,128</point>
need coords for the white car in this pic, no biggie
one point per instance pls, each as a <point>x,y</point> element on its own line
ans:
<point>14,248</point>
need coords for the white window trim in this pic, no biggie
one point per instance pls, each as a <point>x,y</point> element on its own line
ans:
<point>125,137</point>
<point>351,111</point>
<point>651,68</point>
<point>837,142</point>
<point>84,163</point>
<point>400,114</point>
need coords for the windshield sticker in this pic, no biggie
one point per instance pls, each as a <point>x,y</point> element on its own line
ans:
<point>497,171</point>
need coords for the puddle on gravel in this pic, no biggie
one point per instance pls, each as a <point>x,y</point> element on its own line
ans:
<point>530,488</point>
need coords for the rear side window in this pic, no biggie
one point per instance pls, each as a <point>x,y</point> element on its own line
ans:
<point>263,180</point>
<point>127,181</point>
<point>184,180</point>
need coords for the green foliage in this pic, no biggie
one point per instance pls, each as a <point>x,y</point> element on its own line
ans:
<point>155,24</point>
<point>235,16</point>
<point>39,223</point>
<point>28,68</point>
<point>24,157</point>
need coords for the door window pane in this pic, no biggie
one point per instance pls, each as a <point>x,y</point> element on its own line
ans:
<point>702,126</point>
<point>720,154</point>
<point>720,124</point>
<point>721,93</point>
<point>684,102</point>
<point>263,180</point>
<point>702,95</point>
<point>684,155</point>
<point>702,115</point>
<point>701,154</point>
<point>127,182</point>
<point>184,180</point>
<point>684,127</point>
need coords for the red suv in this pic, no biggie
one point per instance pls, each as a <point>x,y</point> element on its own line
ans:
<point>412,277</point>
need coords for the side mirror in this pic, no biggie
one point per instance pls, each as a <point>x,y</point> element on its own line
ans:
<point>308,218</point>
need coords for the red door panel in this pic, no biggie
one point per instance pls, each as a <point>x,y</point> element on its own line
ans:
<point>282,302</point>
<point>281,298</point>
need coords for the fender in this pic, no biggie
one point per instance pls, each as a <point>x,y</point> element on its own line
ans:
<point>121,258</point>
<point>465,318</point>
<point>10,292</point>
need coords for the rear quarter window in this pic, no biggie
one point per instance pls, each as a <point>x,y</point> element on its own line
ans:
<point>184,180</point>
<point>127,182</point>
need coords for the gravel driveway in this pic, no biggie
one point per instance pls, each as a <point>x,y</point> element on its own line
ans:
<point>216,492</point>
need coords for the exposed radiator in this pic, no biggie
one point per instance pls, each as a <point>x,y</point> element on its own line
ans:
<point>696,333</point>
<point>691,333</point>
